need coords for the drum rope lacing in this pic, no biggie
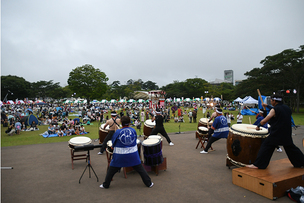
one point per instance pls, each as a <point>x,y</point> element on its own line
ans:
<point>246,134</point>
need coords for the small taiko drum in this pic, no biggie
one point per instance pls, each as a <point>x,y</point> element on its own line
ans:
<point>109,148</point>
<point>157,137</point>
<point>204,122</point>
<point>79,141</point>
<point>153,155</point>
<point>148,127</point>
<point>103,133</point>
<point>243,143</point>
<point>203,130</point>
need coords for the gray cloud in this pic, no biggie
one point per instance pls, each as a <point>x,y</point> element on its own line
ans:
<point>161,41</point>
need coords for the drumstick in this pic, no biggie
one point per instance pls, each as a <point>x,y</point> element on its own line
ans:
<point>261,98</point>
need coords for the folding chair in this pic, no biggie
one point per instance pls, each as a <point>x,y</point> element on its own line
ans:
<point>202,138</point>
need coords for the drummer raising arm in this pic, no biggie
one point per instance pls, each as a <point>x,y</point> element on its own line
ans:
<point>114,123</point>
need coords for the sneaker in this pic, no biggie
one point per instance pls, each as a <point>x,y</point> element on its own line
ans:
<point>99,153</point>
<point>151,184</point>
<point>203,152</point>
<point>279,149</point>
<point>171,144</point>
<point>101,186</point>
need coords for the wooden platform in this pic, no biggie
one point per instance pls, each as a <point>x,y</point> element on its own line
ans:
<point>272,182</point>
<point>156,169</point>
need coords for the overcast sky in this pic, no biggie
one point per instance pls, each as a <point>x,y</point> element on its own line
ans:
<point>157,40</point>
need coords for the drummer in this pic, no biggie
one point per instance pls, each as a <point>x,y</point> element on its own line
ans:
<point>220,128</point>
<point>114,123</point>
<point>159,126</point>
<point>213,116</point>
<point>280,134</point>
<point>125,154</point>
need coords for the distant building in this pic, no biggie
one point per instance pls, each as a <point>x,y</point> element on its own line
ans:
<point>228,76</point>
<point>218,82</point>
<point>237,82</point>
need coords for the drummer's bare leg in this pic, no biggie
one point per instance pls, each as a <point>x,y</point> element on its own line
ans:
<point>111,172</point>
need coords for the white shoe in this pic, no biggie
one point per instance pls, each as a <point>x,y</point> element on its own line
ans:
<point>171,144</point>
<point>151,184</point>
<point>279,150</point>
<point>101,186</point>
<point>203,152</point>
<point>99,153</point>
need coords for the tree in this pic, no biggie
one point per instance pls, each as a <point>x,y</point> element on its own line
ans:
<point>43,89</point>
<point>88,82</point>
<point>17,85</point>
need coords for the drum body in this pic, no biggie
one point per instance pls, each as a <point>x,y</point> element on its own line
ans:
<point>152,152</point>
<point>79,141</point>
<point>148,127</point>
<point>103,133</point>
<point>243,143</point>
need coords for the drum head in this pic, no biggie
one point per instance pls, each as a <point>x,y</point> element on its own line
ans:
<point>204,129</point>
<point>249,130</point>
<point>102,126</point>
<point>151,142</point>
<point>79,141</point>
<point>205,121</point>
<point>155,137</point>
<point>149,123</point>
<point>109,143</point>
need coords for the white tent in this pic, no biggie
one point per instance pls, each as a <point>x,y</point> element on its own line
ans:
<point>249,101</point>
<point>238,100</point>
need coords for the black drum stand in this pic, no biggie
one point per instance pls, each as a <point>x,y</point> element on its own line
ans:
<point>88,166</point>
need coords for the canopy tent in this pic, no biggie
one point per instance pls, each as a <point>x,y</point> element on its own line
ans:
<point>113,101</point>
<point>104,101</point>
<point>188,99</point>
<point>178,100</point>
<point>140,101</point>
<point>10,102</point>
<point>169,99</point>
<point>238,100</point>
<point>249,101</point>
<point>20,102</point>
<point>94,101</point>
<point>122,100</point>
<point>206,99</point>
<point>67,102</point>
<point>197,99</point>
<point>131,100</point>
<point>216,99</point>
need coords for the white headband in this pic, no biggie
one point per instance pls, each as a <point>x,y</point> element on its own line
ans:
<point>220,112</point>
<point>113,114</point>
<point>260,111</point>
<point>277,99</point>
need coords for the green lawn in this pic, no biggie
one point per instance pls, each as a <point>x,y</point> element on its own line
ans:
<point>33,137</point>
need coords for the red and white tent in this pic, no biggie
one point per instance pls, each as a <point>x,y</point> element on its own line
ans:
<point>10,102</point>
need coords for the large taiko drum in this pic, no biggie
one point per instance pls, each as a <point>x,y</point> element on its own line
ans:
<point>157,137</point>
<point>153,155</point>
<point>103,133</point>
<point>148,127</point>
<point>243,143</point>
<point>79,141</point>
<point>203,130</point>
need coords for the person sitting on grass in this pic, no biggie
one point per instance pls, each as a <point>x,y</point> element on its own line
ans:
<point>67,132</point>
<point>10,130</point>
<point>33,126</point>
<point>51,129</point>
<point>60,133</point>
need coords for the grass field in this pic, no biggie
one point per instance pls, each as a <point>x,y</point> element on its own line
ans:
<point>33,137</point>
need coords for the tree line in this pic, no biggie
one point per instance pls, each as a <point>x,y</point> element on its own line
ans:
<point>280,72</point>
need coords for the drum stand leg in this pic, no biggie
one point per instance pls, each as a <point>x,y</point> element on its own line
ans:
<point>88,166</point>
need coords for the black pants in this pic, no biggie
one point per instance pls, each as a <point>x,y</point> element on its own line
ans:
<point>210,132</point>
<point>107,138</point>
<point>210,141</point>
<point>162,131</point>
<point>294,154</point>
<point>138,168</point>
